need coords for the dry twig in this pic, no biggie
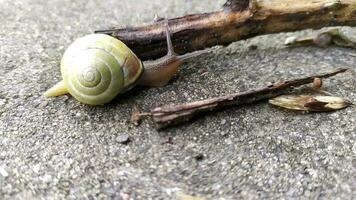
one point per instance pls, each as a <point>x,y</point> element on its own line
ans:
<point>174,114</point>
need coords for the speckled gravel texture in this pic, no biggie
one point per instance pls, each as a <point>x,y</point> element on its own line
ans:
<point>57,148</point>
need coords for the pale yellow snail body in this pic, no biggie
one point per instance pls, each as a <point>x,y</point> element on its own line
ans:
<point>97,67</point>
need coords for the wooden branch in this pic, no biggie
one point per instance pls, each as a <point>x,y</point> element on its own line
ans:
<point>239,19</point>
<point>174,114</point>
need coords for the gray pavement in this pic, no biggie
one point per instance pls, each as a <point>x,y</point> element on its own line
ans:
<point>57,148</point>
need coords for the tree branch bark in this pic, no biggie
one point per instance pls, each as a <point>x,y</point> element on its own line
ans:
<point>238,20</point>
<point>178,113</point>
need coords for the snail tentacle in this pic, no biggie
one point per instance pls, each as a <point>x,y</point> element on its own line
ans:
<point>159,72</point>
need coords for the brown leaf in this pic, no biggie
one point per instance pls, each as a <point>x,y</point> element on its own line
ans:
<point>330,103</point>
<point>310,103</point>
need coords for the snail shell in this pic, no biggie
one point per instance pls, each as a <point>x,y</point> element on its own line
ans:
<point>97,67</point>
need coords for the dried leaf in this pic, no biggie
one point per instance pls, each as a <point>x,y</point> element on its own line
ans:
<point>291,102</point>
<point>331,103</point>
<point>324,39</point>
<point>310,103</point>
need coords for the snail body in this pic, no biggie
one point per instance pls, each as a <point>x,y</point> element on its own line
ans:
<point>97,67</point>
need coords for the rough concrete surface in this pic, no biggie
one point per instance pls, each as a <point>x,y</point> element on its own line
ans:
<point>57,148</point>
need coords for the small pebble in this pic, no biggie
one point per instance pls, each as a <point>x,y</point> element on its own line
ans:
<point>253,47</point>
<point>43,104</point>
<point>199,156</point>
<point>223,133</point>
<point>223,122</point>
<point>123,139</point>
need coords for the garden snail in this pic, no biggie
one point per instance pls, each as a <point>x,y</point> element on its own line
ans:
<point>97,67</point>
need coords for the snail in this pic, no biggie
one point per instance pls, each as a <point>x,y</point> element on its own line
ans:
<point>98,67</point>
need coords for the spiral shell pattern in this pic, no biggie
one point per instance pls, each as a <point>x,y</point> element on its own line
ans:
<point>93,68</point>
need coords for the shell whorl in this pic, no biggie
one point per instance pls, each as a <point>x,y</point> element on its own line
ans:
<point>95,68</point>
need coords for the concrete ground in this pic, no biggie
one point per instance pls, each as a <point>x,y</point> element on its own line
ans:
<point>57,148</point>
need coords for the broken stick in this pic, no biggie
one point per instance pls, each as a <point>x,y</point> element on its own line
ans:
<point>238,20</point>
<point>168,115</point>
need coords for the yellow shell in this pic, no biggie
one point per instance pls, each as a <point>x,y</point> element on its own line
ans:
<point>97,67</point>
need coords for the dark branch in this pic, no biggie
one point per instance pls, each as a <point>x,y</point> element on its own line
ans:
<point>174,114</point>
<point>239,19</point>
